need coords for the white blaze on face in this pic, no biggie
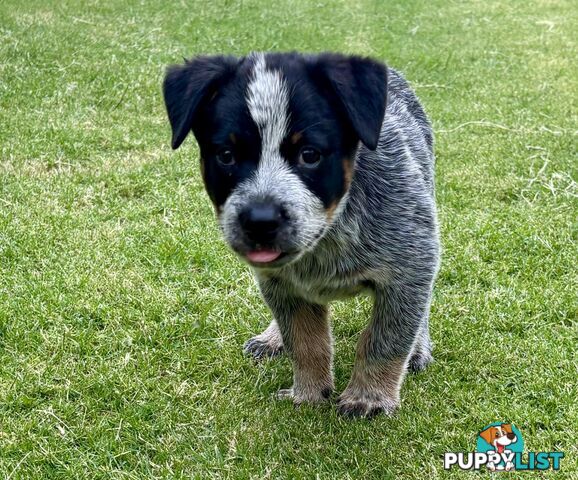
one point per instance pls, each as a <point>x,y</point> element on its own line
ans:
<point>268,104</point>
<point>268,101</point>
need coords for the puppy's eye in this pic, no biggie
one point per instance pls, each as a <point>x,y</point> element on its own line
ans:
<point>225,157</point>
<point>309,157</point>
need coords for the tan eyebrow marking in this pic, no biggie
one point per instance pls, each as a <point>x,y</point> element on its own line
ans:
<point>296,137</point>
<point>233,138</point>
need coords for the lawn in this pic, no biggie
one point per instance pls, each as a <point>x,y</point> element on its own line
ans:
<point>123,313</point>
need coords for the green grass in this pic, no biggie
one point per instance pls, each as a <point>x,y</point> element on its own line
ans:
<point>123,314</point>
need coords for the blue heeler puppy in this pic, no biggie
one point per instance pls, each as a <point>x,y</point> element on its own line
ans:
<point>321,171</point>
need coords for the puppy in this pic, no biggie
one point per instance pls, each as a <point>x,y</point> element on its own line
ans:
<point>321,171</point>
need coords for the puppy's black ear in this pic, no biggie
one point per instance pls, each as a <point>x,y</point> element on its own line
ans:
<point>361,86</point>
<point>186,86</point>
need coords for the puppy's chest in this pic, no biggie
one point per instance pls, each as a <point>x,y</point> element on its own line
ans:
<point>323,287</point>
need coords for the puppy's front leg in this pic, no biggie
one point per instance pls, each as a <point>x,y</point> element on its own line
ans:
<point>306,335</point>
<point>384,349</point>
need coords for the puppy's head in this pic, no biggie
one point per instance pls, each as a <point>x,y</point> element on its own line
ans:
<point>278,135</point>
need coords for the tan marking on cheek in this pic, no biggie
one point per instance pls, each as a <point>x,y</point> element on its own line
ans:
<point>348,164</point>
<point>347,177</point>
<point>296,137</point>
<point>330,210</point>
<point>214,95</point>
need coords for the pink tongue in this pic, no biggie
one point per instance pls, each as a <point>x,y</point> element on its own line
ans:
<point>263,256</point>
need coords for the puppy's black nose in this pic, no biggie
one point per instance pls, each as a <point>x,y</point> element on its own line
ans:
<point>261,221</point>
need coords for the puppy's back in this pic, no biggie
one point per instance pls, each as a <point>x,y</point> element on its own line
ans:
<point>407,126</point>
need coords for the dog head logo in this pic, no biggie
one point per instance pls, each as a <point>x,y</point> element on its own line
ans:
<point>499,436</point>
<point>503,439</point>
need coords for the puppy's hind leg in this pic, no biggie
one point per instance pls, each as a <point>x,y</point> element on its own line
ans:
<point>384,350</point>
<point>267,344</point>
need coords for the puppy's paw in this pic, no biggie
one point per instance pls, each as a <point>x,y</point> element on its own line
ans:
<point>419,361</point>
<point>300,396</point>
<point>259,347</point>
<point>357,403</point>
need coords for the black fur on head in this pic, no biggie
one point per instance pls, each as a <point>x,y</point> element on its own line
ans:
<point>186,86</point>
<point>360,83</point>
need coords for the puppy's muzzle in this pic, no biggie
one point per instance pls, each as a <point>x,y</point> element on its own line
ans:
<point>261,222</point>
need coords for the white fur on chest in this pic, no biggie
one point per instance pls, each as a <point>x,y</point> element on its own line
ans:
<point>324,290</point>
<point>322,283</point>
